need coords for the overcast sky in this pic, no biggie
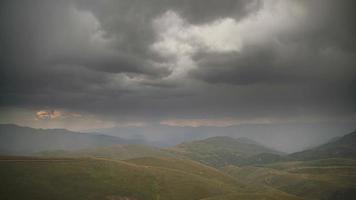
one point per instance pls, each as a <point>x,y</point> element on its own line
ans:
<point>88,64</point>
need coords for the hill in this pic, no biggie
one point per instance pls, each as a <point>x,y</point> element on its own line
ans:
<point>330,179</point>
<point>138,179</point>
<point>342,147</point>
<point>221,151</point>
<point>115,152</point>
<point>16,140</point>
<point>185,165</point>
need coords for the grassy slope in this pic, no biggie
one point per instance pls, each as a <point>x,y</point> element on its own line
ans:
<point>144,178</point>
<point>221,151</point>
<point>343,147</point>
<point>185,165</point>
<point>117,152</point>
<point>253,196</point>
<point>216,152</point>
<point>101,179</point>
<point>320,179</point>
<point>104,179</point>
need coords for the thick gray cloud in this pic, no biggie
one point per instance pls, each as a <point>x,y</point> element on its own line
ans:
<point>201,62</point>
<point>315,59</point>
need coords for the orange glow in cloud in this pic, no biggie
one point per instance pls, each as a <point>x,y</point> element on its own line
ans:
<point>48,114</point>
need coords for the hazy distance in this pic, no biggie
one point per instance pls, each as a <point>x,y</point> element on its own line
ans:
<point>281,72</point>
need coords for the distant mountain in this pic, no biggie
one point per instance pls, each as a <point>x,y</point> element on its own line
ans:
<point>17,140</point>
<point>222,150</point>
<point>341,147</point>
<point>115,152</point>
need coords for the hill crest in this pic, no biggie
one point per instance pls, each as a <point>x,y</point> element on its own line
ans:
<point>18,140</point>
<point>342,147</point>
<point>220,151</point>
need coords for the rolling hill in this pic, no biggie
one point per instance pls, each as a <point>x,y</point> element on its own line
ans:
<point>217,168</point>
<point>138,179</point>
<point>342,147</point>
<point>330,179</point>
<point>216,151</point>
<point>115,152</point>
<point>221,151</point>
<point>17,140</point>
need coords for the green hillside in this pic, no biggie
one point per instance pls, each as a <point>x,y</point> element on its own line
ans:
<point>344,147</point>
<point>102,179</point>
<point>320,179</point>
<point>136,179</point>
<point>117,152</point>
<point>273,195</point>
<point>187,166</point>
<point>218,168</point>
<point>222,151</point>
<point>216,152</point>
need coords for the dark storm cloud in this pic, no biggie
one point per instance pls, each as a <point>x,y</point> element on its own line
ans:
<point>129,23</point>
<point>252,66</point>
<point>277,64</point>
<point>316,59</point>
<point>321,44</point>
<point>97,57</point>
<point>330,24</point>
<point>45,45</point>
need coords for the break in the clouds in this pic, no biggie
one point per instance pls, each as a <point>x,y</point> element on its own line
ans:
<point>177,63</point>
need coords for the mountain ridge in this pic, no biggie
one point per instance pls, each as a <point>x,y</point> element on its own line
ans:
<point>19,140</point>
<point>340,147</point>
<point>220,151</point>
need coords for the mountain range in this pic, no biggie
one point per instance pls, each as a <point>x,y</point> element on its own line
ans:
<point>60,164</point>
<point>17,140</point>
<point>216,151</point>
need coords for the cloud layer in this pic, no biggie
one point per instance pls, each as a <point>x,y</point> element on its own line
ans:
<point>180,63</point>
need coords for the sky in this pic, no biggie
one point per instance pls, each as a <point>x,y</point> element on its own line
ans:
<point>214,65</point>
